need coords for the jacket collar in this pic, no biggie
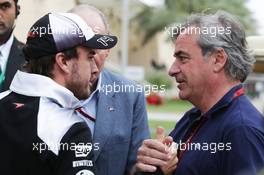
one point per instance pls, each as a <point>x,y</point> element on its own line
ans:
<point>225,101</point>
<point>41,86</point>
<point>106,81</point>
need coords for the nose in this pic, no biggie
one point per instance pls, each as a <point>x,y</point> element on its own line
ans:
<point>174,69</point>
<point>94,68</point>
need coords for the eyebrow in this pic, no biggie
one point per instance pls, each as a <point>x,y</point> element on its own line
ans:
<point>178,53</point>
<point>5,3</point>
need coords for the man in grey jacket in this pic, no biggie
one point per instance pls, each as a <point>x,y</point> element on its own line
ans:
<point>118,120</point>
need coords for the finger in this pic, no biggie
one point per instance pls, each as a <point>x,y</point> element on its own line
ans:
<point>145,168</point>
<point>152,153</point>
<point>167,140</point>
<point>154,159</point>
<point>151,160</point>
<point>154,144</point>
<point>173,148</point>
<point>160,133</point>
<point>171,169</point>
<point>173,162</point>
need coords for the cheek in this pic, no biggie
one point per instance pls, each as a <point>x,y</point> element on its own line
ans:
<point>100,61</point>
<point>10,17</point>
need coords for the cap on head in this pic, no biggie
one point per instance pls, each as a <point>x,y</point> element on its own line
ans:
<point>56,32</point>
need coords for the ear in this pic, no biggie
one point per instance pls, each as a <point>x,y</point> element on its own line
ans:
<point>62,63</point>
<point>107,51</point>
<point>219,58</point>
<point>17,10</point>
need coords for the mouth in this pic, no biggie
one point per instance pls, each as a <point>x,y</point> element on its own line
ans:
<point>2,25</point>
<point>181,86</point>
<point>181,83</point>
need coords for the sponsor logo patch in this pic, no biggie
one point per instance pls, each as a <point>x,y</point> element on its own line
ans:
<point>83,150</point>
<point>18,105</point>
<point>85,172</point>
<point>80,163</point>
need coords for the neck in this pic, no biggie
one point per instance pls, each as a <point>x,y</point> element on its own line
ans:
<point>213,94</point>
<point>58,78</point>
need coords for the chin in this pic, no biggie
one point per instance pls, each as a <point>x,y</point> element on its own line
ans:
<point>183,96</point>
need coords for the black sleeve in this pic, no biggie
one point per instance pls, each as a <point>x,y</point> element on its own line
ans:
<point>75,155</point>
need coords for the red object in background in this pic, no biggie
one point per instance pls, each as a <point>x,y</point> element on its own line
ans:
<point>154,99</point>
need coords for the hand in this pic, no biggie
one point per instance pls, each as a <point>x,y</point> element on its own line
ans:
<point>171,165</point>
<point>153,153</point>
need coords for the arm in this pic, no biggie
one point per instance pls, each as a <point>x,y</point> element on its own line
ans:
<point>140,130</point>
<point>75,155</point>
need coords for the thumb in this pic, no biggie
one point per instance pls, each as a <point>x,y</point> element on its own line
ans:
<point>160,134</point>
<point>168,140</point>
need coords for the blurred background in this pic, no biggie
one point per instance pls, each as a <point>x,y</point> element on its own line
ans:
<point>144,51</point>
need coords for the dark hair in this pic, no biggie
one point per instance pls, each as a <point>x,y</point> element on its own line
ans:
<point>44,65</point>
<point>17,8</point>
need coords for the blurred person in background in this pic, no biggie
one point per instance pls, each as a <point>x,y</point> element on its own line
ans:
<point>11,56</point>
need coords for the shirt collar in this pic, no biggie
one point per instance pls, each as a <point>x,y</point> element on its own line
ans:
<point>223,102</point>
<point>41,86</point>
<point>5,50</point>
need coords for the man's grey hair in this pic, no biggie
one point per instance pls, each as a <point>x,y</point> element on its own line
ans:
<point>86,7</point>
<point>230,36</point>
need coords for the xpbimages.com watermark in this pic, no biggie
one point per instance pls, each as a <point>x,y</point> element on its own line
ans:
<point>42,31</point>
<point>212,147</point>
<point>131,88</point>
<point>212,31</point>
<point>80,148</point>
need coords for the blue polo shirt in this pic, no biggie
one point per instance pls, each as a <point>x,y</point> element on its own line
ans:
<point>229,142</point>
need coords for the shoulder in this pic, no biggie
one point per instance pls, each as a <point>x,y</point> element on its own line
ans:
<point>242,113</point>
<point>16,49</point>
<point>120,85</point>
<point>9,98</point>
<point>242,118</point>
<point>23,107</point>
<point>18,43</point>
<point>122,88</point>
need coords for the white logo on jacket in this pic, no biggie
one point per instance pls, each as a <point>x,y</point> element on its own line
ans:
<point>82,150</point>
<point>85,172</point>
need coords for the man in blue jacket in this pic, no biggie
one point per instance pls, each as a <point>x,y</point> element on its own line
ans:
<point>118,120</point>
<point>224,133</point>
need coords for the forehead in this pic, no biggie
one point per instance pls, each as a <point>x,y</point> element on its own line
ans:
<point>94,20</point>
<point>4,1</point>
<point>186,41</point>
